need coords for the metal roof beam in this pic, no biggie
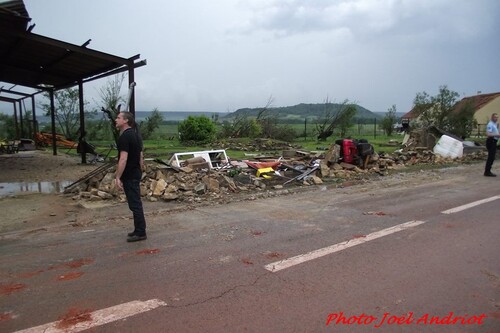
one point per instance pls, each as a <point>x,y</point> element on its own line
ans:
<point>8,99</point>
<point>15,92</point>
<point>74,48</point>
<point>117,71</point>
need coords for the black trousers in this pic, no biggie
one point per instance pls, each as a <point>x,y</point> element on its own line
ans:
<point>491,145</point>
<point>132,190</point>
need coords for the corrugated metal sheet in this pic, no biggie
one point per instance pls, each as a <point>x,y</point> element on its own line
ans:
<point>13,14</point>
<point>33,60</point>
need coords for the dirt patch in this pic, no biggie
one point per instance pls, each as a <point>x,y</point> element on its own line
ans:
<point>42,165</point>
<point>35,210</point>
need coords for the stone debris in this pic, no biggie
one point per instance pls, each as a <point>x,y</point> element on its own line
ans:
<point>162,182</point>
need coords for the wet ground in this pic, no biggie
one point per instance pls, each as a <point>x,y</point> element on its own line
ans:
<point>7,189</point>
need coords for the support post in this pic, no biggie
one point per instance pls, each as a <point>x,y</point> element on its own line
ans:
<point>53,121</point>
<point>82,122</point>
<point>131,78</point>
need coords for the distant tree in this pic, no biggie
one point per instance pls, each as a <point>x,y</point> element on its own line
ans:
<point>285,133</point>
<point>334,116</point>
<point>422,105</point>
<point>111,101</point>
<point>346,121</point>
<point>260,122</point>
<point>436,110</point>
<point>389,120</point>
<point>28,123</point>
<point>215,118</point>
<point>444,104</point>
<point>266,120</point>
<point>98,130</point>
<point>25,126</point>
<point>7,127</point>
<point>241,126</point>
<point>197,128</point>
<point>151,123</point>
<point>67,110</point>
<point>462,121</point>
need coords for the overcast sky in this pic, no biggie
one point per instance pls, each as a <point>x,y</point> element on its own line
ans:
<point>222,55</point>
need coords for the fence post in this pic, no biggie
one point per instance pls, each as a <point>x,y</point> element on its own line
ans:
<point>305,129</point>
<point>375,128</point>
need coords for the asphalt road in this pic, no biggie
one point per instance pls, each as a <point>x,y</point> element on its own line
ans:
<point>350,266</point>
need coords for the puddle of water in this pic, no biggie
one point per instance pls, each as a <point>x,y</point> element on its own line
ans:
<point>7,189</point>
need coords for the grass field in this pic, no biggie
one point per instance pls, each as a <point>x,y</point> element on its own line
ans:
<point>165,142</point>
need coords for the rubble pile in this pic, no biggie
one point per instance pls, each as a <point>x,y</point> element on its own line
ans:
<point>162,181</point>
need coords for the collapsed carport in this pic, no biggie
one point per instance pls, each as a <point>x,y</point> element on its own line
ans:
<point>46,64</point>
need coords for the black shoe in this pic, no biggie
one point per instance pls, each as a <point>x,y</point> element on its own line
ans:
<point>130,234</point>
<point>136,238</point>
<point>489,174</point>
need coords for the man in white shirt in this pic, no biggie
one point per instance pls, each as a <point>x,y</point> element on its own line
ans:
<point>492,137</point>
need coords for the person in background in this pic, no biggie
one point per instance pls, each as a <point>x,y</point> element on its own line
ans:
<point>492,137</point>
<point>129,171</point>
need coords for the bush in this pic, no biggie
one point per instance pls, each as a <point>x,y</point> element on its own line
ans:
<point>197,128</point>
<point>285,133</point>
<point>7,127</point>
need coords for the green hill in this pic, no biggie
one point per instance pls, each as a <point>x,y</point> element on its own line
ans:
<point>297,113</point>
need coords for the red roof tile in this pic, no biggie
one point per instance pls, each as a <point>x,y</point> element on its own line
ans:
<point>477,101</point>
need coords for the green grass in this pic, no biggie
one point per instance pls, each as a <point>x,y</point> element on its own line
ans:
<point>165,142</point>
<point>164,149</point>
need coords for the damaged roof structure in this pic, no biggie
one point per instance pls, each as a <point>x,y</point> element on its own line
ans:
<point>46,64</point>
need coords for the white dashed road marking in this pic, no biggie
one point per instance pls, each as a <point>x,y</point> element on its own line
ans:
<point>286,263</point>
<point>100,317</point>
<point>470,205</point>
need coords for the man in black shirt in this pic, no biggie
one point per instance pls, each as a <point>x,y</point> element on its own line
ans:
<point>129,171</point>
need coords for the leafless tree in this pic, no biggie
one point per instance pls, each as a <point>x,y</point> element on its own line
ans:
<point>67,108</point>
<point>111,100</point>
<point>334,116</point>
